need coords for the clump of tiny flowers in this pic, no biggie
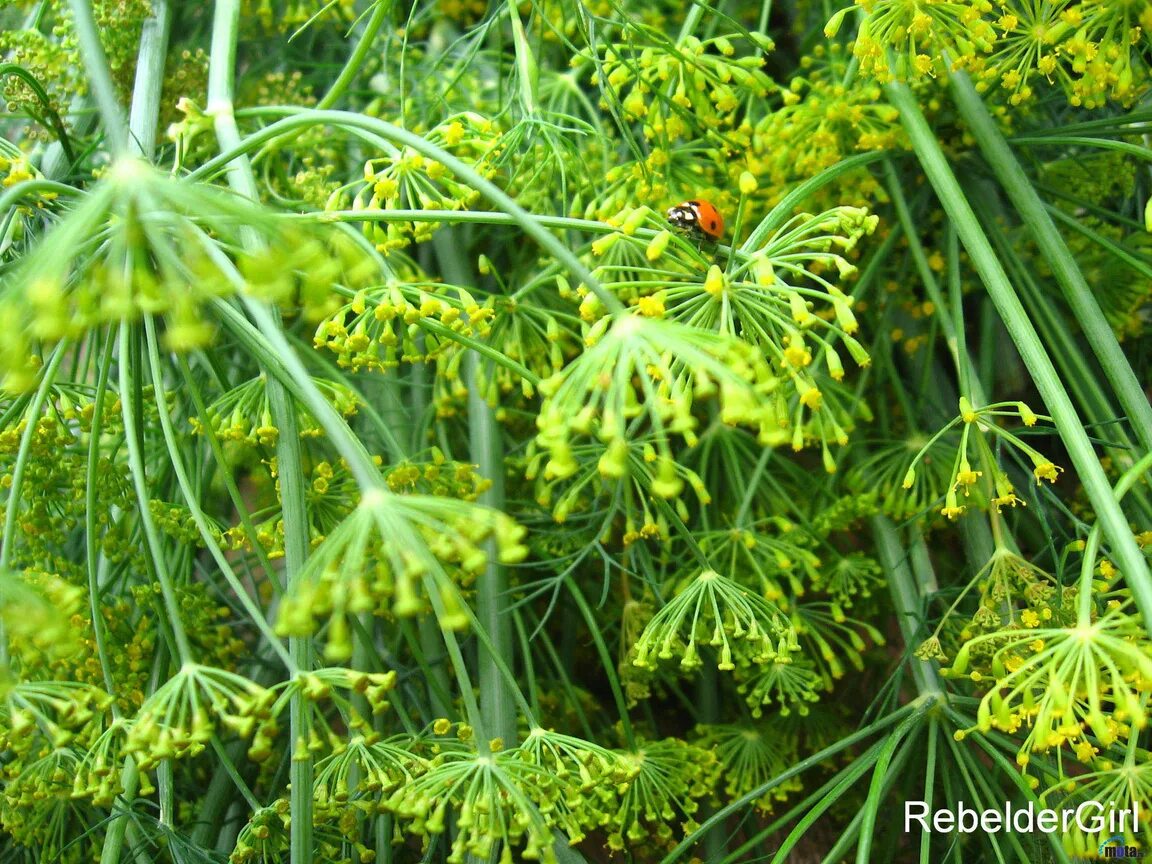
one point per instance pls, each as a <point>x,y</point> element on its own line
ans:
<point>1079,686</point>
<point>641,377</point>
<point>977,428</point>
<point>406,179</point>
<point>243,414</point>
<point>703,83</point>
<point>713,610</point>
<point>388,556</point>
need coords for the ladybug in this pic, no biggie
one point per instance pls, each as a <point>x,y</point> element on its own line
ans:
<point>698,217</point>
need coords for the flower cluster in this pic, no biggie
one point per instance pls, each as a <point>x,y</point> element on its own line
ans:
<point>141,244</point>
<point>1094,52</point>
<point>498,799</point>
<point>642,377</point>
<point>663,790</point>
<point>243,414</point>
<point>713,610</point>
<point>405,322</point>
<point>405,179</point>
<point>669,91</point>
<point>825,118</point>
<point>388,557</point>
<point>180,717</point>
<point>747,757</point>
<point>779,300</point>
<point>977,428</point>
<point>1079,686</point>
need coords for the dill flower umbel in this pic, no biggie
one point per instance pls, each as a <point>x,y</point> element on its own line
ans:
<point>1070,685</point>
<point>387,555</point>
<point>713,610</point>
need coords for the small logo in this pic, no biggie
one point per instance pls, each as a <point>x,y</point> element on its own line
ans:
<point>1114,849</point>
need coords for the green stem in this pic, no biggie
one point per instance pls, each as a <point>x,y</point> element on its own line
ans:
<point>191,499</point>
<point>676,854</point>
<point>114,838</point>
<point>99,75</point>
<point>131,411</point>
<point>290,470</point>
<point>1072,283</point>
<point>92,552</point>
<point>605,659</point>
<point>497,704</point>
<point>1019,326</point>
<point>945,312</point>
<point>783,211</point>
<point>359,55</point>
<point>50,115</point>
<point>906,597</point>
<point>263,562</point>
<point>1092,545</point>
<point>875,795</point>
<point>32,414</point>
<point>145,108</point>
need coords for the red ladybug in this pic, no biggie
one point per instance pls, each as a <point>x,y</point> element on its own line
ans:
<point>698,217</point>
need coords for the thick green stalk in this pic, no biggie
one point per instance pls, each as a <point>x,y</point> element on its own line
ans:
<point>92,554</point>
<point>129,774</point>
<point>112,849</point>
<point>99,75</point>
<point>1074,286</point>
<point>1068,424</point>
<point>487,451</point>
<point>907,598</point>
<point>145,109</point>
<point>290,470</point>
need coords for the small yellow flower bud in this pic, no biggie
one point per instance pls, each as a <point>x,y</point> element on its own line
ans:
<point>714,282</point>
<point>657,245</point>
<point>765,274</point>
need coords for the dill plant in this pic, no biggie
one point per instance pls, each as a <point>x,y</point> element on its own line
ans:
<point>385,479</point>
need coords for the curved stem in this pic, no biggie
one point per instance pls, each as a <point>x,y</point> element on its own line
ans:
<point>487,452</point>
<point>221,85</point>
<point>130,411</point>
<point>190,498</point>
<point>356,61</point>
<point>919,707</point>
<point>462,170</point>
<point>91,550</point>
<point>1092,545</point>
